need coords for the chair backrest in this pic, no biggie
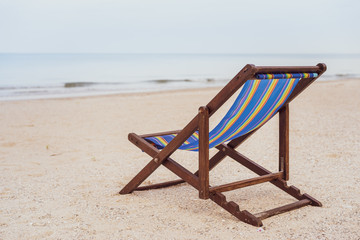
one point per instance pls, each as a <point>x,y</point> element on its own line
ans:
<point>258,101</point>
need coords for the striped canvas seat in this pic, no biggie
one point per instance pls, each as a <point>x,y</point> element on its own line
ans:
<point>258,101</point>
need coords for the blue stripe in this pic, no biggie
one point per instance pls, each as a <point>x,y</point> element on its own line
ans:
<point>285,75</point>
<point>254,102</point>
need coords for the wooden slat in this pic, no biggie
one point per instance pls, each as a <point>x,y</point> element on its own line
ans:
<point>284,141</point>
<point>288,69</point>
<point>160,133</point>
<point>246,183</point>
<point>282,209</point>
<point>160,185</point>
<point>204,152</point>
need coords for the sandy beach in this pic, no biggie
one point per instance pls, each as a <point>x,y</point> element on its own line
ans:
<point>63,162</point>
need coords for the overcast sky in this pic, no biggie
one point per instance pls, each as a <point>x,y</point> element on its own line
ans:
<point>180,26</point>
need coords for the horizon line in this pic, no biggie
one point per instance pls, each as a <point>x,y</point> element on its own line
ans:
<point>179,53</point>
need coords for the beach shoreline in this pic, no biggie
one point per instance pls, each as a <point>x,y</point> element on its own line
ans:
<point>64,160</point>
<point>30,76</point>
<point>156,91</point>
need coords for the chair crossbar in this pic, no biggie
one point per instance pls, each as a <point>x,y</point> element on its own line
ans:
<point>282,209</point>
<point>160,185</point>
<point>246,183</point>
<point>159,133</point>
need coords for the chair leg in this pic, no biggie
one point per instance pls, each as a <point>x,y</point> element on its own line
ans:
<point>152,166</point>
<point>139,178</point>
<point>284,141</point>
<point>204,153</point>
<point>176,168</point>
<point>144,173</point>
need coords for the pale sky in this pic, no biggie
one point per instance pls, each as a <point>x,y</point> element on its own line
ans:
<point>180,26</point>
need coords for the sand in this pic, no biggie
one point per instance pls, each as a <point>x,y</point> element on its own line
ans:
<point>63,162</point>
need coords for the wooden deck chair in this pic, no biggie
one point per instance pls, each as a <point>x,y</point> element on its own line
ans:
<point>266,91</point>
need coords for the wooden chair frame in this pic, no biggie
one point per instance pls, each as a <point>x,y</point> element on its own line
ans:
<point>200,179</point>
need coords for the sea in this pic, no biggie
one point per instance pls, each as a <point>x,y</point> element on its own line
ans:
<point>39,76</point>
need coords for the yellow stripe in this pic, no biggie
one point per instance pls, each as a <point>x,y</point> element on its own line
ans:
<point>258,108</point>
<point>281,101</point>
<point>238,114</point>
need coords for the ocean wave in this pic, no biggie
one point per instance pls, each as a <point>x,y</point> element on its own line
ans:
<point>88,84</point>
<point>162,81</point>
<point>153,81</point>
